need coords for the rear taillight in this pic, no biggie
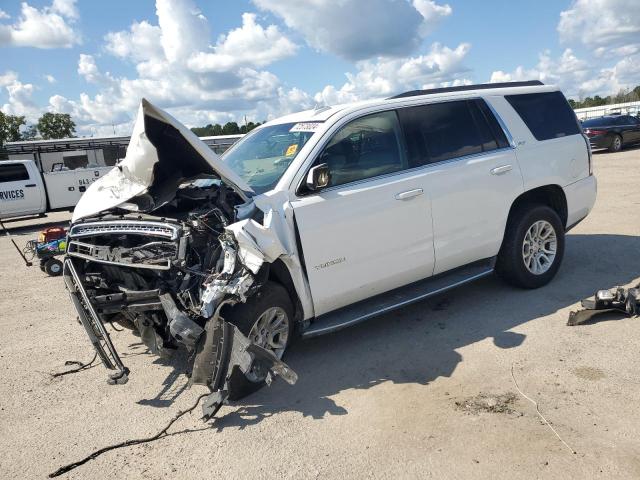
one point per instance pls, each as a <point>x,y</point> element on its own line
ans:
<point>594,133</point>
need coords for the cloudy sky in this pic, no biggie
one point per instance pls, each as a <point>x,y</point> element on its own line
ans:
<point>213,61</point>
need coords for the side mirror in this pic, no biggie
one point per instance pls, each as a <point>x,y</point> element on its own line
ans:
<point>318,177</point>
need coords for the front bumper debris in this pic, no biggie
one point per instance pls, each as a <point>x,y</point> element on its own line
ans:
<point>626,301</point>
<point>94,327</point>
<point>220,347</point>
<point>224,349</point>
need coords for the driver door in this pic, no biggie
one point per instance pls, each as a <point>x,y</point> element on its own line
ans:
<point>369,231</point>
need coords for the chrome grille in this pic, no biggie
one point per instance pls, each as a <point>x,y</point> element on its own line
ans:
<point>132,227</point>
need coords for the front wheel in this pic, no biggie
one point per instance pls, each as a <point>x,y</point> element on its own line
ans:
<point>533,247</point>
<point>267,320</point>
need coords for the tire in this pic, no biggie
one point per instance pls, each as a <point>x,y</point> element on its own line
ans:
<point>244,316</point>
<point>521,255</point>
<point>53,267</point>
<point>616,144</point>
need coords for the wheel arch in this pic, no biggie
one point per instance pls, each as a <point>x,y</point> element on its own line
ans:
<point>278,272</point>
<point>552,196</point>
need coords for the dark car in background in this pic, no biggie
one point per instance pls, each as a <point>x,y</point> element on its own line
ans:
<point>612,131</point>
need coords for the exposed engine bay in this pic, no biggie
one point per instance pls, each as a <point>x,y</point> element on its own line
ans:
<point>165,261</point>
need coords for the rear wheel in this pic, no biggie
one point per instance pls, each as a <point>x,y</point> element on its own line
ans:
<point>533,247</point>
<point>267,320</point>
<point>53,267</point>
<point>616,144</point>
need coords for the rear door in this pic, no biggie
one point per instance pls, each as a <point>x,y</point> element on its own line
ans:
<point>370,230</point>
<point>471,175</point>
<point>632,125</point>
<point>21,191</point>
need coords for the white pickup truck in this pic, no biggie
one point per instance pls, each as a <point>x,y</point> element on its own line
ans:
<point>25,190</point>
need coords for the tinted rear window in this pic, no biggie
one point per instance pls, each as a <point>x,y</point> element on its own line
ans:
<point>13,172</point>
<point>548,115</point>
<point>597,122</point>
<point>441,131</point>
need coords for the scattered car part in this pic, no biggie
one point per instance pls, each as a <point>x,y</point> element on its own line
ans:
<point>626,301</point>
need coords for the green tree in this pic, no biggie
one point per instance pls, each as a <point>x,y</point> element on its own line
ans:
<point>201,131</point>
<point>248,127</point>
<point>56,125</point>
<point>230,128</point>
<point>10,128</point>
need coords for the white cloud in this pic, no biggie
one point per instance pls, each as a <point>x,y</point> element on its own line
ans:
<point>357,31</point>
<point>250,44</point>
<point>49,27</point>
<point>577,77</point>
<point>603,24</point>
<point>66,8</point>
<point>610,29</point>
<point>184,29</point>
<point>20,101</point>
<point>88,69</point>
<point>4,15</point>
<point>141,42</point>
<point>178,69</point>
<point>388,76</point>
<point>50,78</point>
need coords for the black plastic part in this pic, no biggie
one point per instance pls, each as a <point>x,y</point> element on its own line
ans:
<point>463,88</point>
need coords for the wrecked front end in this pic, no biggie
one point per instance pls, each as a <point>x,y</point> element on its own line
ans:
<point>166,263</point>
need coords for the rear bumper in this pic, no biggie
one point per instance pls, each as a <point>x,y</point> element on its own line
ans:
<point>581,196</point>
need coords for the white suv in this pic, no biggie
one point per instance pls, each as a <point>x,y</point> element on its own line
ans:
<point>322,219</point>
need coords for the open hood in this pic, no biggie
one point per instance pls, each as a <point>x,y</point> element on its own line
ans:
<point>161,154</point>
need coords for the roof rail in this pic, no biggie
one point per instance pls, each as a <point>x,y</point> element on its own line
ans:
<point>462,88</point>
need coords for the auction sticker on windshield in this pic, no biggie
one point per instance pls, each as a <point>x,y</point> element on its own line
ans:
<point>306,127</point>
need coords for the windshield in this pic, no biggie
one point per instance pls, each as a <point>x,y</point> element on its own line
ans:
<point>262,156</point>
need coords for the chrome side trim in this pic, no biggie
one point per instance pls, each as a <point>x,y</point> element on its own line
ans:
<point>354,321</point>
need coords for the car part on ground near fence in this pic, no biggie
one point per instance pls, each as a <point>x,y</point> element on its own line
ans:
<point>626,301</point>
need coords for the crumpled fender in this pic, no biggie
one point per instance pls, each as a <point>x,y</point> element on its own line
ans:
<point>273,239</point>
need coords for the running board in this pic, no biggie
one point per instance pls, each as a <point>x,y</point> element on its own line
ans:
<point>388,301</point>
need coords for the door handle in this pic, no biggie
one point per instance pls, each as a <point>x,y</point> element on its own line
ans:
<point>501,169</point>
<point>409,194</point>
<point>30,185</point>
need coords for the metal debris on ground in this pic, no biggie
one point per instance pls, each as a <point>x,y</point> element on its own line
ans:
<point>80,367</point>
<point>623,300</point>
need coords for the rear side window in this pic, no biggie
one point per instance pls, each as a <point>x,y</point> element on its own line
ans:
<point>13,172</point>
<point>548,115</point>
<point>441,131</point>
